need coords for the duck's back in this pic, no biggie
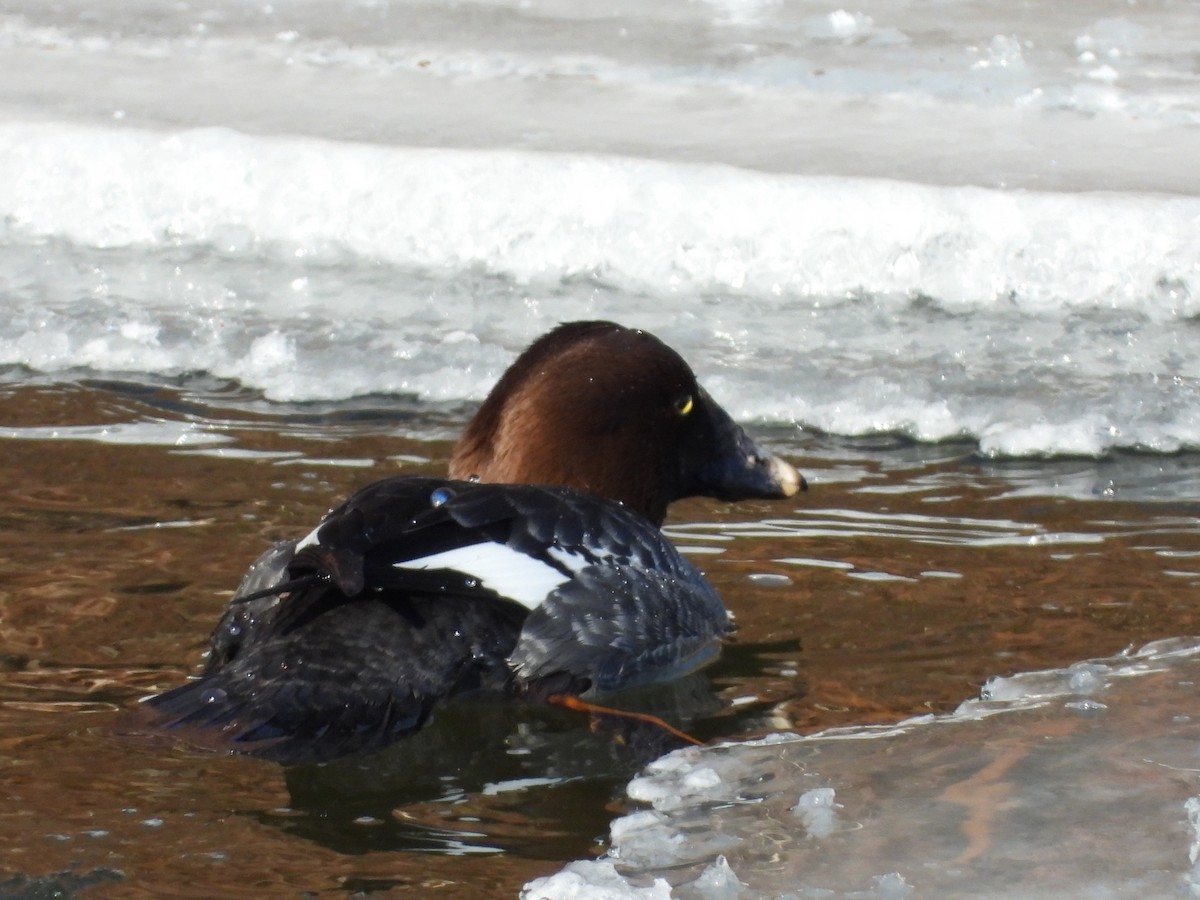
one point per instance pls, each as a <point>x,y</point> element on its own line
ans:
<point>416,589</point>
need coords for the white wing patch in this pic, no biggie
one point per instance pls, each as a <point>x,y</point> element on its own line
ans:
<point>508,572</point>
<point>574,562</point>
<point>309,540</point>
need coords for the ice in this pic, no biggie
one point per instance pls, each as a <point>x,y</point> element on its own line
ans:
<point>411,193</point>
<point>717,882</point>
<point>816,809</point>
<point>592,880</point>
<point>1086,678</point>
<point>880,76</point>
<point>1192,879</point>
<point>892,887</point>
<point>644,224</point>
<point>646,844</point>
<point>1082,678</point>
<point>993,313</point>
<point>840,24</point>
<point>691,781</point>
<point>1003,52</point>
<point>1076,782</point>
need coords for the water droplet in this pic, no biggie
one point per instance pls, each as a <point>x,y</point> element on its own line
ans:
<point>440,496</point>
<point>214,695</point>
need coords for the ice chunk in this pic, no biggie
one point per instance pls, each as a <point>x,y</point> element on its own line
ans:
<point>717,882</point>
<point>1086,678</point>
<point>816,810</point>
<point>592,880</point>
<point>1192,878</point>
<point>701,780</point>
<point>1003,52</point>
<point>892,887</point>
<point>1033,687</point>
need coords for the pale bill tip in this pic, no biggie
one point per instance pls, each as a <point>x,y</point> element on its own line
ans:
<point>785,475</point>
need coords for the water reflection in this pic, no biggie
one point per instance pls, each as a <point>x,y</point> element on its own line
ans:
<point>489,776</point>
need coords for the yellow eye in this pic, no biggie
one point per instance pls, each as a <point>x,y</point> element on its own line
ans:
<point>684,405</point>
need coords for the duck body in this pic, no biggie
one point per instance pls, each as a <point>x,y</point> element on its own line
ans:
<point>555,580</point>
<point>417,589</point>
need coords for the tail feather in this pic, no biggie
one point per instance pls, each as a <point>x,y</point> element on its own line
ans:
<point>279,726</point>
<point>303,685</point>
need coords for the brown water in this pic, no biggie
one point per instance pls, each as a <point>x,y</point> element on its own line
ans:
<point>897,585</point>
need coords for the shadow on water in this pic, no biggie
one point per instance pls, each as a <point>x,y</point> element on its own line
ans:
<point>482,772</point>
<point>54,887</point>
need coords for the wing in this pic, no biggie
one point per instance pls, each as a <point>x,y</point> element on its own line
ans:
<point>618,626</point>
<point>510,542</point>
<point>611,602</point>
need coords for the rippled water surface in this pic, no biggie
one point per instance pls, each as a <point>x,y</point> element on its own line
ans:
<point>906,577</point>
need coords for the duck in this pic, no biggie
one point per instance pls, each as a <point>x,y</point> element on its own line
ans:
<point>536,569</point>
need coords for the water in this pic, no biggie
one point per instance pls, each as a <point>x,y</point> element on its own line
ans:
<point>942,256</point>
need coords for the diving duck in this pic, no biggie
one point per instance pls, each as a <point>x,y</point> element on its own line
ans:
<point>536,569</point>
